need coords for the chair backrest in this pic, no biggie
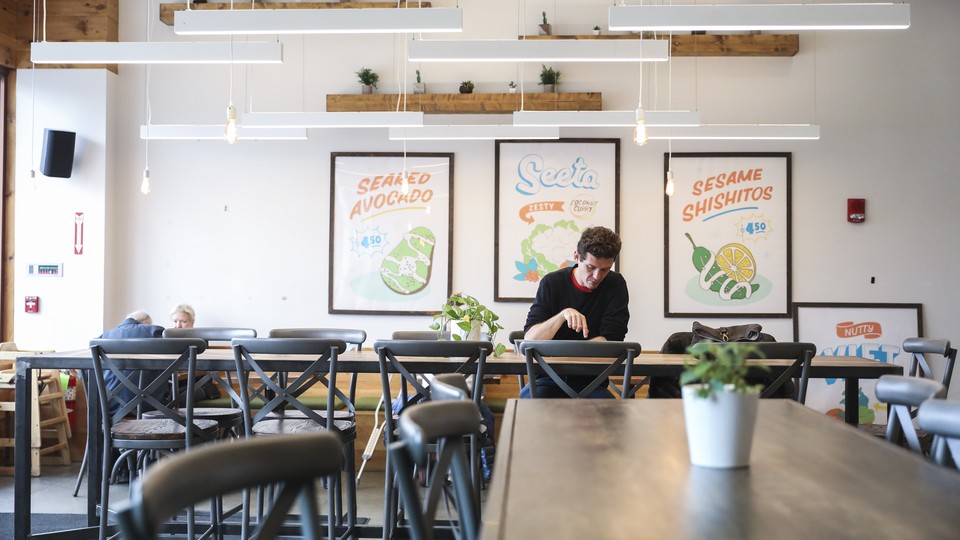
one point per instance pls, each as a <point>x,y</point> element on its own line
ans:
<point>919,367</point>
<point>445,423</point>
<point>210,333</point>
<point>942,418</point>
<point>403,357</point>
<point>903,396</point>
<point>800,352</point>
<point>312,360</point>
<point>621,355</point>
<point>449,386</point>
<point>125,391</point>
<point>351,336</point>
<point>420,335</point>
<point>515,338</point>
<point>294,462</point>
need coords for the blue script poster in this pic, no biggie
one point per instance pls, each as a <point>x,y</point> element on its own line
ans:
<point>728,235</point>
<point>547,192</point>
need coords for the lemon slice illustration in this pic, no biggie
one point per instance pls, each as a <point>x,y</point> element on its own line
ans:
<point>737,262</point>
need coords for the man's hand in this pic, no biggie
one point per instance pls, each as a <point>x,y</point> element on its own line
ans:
<point>576,321</point>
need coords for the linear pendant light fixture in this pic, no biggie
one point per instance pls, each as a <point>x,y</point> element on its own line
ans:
<point>736,17</point>
<point>202,132</point>
<point>604,118</point>
<point>90,52</point>
<point>333,119</point>
<point>537,50</point>
<point>737,132</point>
<point>318,21</point>
<point>472,133</point>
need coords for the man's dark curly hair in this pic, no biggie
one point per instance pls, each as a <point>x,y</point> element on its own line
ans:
<point>600,242</point>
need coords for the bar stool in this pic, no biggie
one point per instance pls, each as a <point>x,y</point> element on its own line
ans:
<point>903,395</point>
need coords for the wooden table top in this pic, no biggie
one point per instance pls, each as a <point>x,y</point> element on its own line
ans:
<point>619,469</point>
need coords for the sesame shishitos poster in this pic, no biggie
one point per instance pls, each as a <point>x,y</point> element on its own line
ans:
<point>547,193</point>
<point>390,232</point>
<point>727,235</point>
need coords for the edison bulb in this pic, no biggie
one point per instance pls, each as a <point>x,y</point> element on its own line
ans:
<point>671,187</point>
<point>232,133</point>
<point>405,183</point>
<point>145,183</point>
<point>640,132</point>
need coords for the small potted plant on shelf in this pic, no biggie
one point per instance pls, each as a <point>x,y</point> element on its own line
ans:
<point>368,80</point>
<point>466,87</point>
<point>549,78</point>
<point>512,87</point>
<point>419,87</point>
<point>464,316</point>
<point>545,27</point>
<point>719,407</point>
<point>596,30</point>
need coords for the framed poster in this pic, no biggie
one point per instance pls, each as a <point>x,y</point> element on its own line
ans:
<point>727,235</point>
<point>874,331</point>
<point>390,239</point>
<point>547,193</point>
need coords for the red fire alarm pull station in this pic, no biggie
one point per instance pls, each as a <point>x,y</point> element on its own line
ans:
<point>32,304</point>
<point>856,210</point>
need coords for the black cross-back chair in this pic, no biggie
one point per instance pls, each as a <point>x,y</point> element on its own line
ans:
<point>538,353</point>
<point>439,426</point>
<point>942,418</point>
<point>140,439</point>
<point>354,339</point>
<point>802,355</point>
<point>276,392</point>
<point>399,356</point>
<point>295,462</point>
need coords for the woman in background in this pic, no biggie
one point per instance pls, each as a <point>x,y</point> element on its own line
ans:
<point>183,316</point>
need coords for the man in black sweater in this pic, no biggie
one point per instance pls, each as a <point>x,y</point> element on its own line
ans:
<point>586,301</point>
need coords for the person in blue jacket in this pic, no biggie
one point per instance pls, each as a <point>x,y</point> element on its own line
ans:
<point>137,325</point>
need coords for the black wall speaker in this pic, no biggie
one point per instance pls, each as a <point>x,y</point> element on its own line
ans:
<point>57,157</point>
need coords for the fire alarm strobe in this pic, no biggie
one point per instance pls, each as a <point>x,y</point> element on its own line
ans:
<point>32,304</point>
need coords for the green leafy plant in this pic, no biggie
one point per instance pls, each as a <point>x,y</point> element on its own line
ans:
<point>544,13</point>
<point>464,312</point>
<point>720,367</point>
<point>596,28</point>
<point>368,76</point>
<point>467,85</point>
<point>512,84</point>
<point>418,76</point>
<point>549,75</point>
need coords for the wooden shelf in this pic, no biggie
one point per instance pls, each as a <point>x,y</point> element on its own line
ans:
<point>167,10</point>
<point>715,44</point>
<point>467,103</point>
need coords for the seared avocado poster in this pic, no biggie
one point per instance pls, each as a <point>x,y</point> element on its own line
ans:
<point>548,192</point>
<point>390,232</point>
<point>728,235</point>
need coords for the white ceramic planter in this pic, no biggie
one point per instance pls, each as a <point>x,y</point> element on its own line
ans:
<point>719,427</point>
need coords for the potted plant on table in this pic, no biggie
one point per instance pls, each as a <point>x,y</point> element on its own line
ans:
<point>596,30</point>
<point>512,87</point>
<point>466,317</point>
<point>545,26</point>
<point>719,407</point>
<point>419,87</point>
<point>466,87</point>
<point>368,80</point>
<point>549,78</point>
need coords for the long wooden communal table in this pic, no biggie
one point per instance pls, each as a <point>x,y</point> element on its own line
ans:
<point>620,469</point>
<point>850,368</point>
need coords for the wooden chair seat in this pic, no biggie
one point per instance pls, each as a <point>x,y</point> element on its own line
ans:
<point>226,417</point>
<point>159,429</point>
<point>295,414</point>
<point>280,426</point>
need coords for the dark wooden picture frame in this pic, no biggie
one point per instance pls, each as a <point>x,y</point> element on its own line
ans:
<point>400,244</point>
<point>733,209</point>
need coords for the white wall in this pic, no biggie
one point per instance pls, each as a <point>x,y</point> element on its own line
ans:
<point>71,307</point>
<point>241,232</point>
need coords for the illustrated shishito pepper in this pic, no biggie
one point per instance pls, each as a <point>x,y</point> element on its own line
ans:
<point>710,272</point>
